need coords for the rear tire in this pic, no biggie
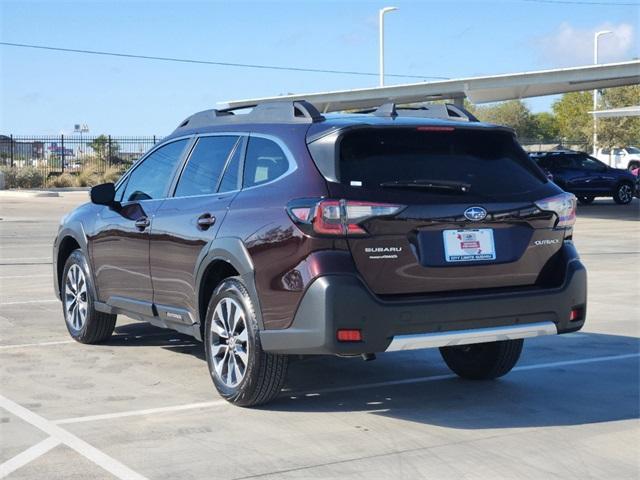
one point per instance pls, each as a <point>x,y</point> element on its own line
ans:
<point>623,193</point>
<point>483,361</point>
<point>242,372</point>
<point>84,323</point>
<point>586,200</point>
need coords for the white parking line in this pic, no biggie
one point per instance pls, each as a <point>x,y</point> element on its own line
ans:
<point>27,456</point>
<point>42,344</point>
<point>25,302</point>
<point>98,457</point>
<point>147,411</point>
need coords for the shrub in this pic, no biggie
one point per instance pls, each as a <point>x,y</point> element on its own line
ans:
<point>111,175</point>
<point>29,177</point>
<point>64,180</point>
<point>9,176</point>
<point>88,178</point>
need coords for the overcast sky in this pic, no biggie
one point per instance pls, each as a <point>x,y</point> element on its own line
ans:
<point>47,92</point>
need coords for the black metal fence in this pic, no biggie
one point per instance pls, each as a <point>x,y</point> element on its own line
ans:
<point>37,161</point>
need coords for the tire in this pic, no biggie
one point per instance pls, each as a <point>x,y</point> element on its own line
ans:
<point>633,165</point>
<point>263,375</point>
<point>623,193</point>
<point>483,361</point>
<point>586,200</point>
<point>84,323</point>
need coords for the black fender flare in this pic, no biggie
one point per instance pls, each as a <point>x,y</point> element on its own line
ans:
<point>232,251</point>
<point>75,231</point>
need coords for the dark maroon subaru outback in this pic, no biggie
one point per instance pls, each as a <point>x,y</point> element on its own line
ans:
<point>282,231</point>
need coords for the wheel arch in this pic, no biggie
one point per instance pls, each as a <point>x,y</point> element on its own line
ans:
<point>69,240</point>
<point>226,257</point>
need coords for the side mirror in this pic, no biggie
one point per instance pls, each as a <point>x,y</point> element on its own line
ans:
<point>103,194</point>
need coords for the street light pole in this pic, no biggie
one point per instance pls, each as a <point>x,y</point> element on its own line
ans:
<point>381,21</point>
<point>596,36</point>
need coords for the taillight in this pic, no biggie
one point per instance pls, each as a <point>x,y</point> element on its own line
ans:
<point>337,217</point>
<point>563,205</point>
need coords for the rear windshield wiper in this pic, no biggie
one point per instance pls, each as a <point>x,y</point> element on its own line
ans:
<point>454,187</point>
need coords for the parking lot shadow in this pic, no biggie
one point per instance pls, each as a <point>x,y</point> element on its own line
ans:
<point>573,379</point>
<point>607,209</point>
<point>594,379</point>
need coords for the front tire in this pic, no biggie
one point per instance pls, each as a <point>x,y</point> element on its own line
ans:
<point>242,372</point>
<point>588,200</point>
<point>483,361</point>
<point>84,323</point>
<point>623,193</point>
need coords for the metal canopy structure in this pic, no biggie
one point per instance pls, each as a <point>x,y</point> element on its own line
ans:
<point>478,89</point>
<point>633,111</point>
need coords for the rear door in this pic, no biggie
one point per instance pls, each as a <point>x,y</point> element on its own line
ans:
<point>469,222</point>
<point>189,220</point>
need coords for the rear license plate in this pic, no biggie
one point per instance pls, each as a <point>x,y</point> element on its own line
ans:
<point>474,245</point>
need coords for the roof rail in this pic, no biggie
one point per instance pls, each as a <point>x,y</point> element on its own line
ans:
<point>444,111</point>
<point>268,112</point>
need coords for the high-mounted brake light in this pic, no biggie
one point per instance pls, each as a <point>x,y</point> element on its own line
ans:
<point>337,217</point>
<point>563,205</point>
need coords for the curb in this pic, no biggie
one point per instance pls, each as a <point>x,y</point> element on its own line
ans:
<point>53,192</point>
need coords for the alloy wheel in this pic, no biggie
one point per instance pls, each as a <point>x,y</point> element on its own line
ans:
<point>229,342</point>
<point>75,298</point>
<point>624,193</point>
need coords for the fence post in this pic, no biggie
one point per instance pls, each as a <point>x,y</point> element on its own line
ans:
<point>62,150</point>
<point>11,148</point>
<point>109,153</point>
<point>154,139</point>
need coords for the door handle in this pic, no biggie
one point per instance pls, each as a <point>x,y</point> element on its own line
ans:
<point>205,221</point>
<point>142,223</point>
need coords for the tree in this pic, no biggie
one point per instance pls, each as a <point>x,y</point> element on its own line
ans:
<point>547,128</point>
<point>104,148</point>
<point>514,114</point>
<point>619,131</point>
<point>572,114</point>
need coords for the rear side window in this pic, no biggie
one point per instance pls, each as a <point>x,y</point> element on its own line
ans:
<point>204,168</point>
<point>265,161</point>
<point>491,162</point>
<point>151,178</point>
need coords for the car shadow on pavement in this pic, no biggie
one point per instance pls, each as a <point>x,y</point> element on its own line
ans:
<point>607,209</point>
<point>143,334</point>
<point>594,379</point>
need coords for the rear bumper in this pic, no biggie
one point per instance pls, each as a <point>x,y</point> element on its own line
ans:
<point>335,302</point>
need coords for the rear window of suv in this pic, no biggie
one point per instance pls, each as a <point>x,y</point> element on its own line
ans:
<point>491,162</point>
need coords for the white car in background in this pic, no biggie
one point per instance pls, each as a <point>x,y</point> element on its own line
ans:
<point>626,157</point>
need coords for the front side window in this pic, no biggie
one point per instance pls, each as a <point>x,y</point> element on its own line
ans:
<point>591,164</point>
<point>205,166</point>
<point>151,178</point>
<point>265,161</point>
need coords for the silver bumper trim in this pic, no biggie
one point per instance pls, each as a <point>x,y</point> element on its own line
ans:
<point>468,337</point>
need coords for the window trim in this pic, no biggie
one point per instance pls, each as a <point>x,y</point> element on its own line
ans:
<point>125,178</point>
<point>174,184</point>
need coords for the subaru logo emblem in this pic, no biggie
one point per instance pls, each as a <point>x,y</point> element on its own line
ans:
<point>475,214</point>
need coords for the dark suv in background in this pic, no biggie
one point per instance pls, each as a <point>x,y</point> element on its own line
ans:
<point>587,177</point>
<point>282,231</point>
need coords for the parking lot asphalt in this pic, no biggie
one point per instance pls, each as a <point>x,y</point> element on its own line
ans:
<point>143,406</point>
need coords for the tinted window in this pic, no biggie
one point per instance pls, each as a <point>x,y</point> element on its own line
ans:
<point>491,162</point>
<point>588,163</point>
<point>265,161</point>
<point>231,177</point>
<point>204,168</point>
<point>152,177</point>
